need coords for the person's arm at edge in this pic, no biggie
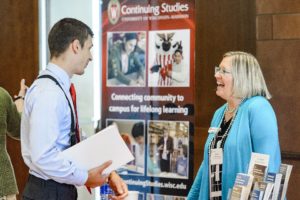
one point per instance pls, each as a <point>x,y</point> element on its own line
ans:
<point>15,110</point>
<point>13,119</point>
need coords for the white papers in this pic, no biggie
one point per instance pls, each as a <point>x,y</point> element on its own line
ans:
<point>242,186</point>
<point>99,148</point>
<point>286,171</point>
<point>258,159</point>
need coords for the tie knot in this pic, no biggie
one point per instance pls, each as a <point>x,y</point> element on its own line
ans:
<point>72,89</point>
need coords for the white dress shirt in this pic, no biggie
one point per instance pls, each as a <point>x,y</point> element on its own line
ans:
<point>45,129</point>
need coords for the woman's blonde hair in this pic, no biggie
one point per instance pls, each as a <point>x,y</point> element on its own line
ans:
<point>248,79</point>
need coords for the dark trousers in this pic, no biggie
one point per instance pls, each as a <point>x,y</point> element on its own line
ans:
<point>40,189</point>
<point>165,165</point>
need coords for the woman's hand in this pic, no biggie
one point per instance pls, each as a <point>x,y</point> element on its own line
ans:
<point>19,99</point>
<point>23,88</point>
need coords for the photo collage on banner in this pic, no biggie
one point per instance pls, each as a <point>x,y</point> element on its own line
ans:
<point>148,88</point>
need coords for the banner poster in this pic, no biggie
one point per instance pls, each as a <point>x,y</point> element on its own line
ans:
<point>148,85</point>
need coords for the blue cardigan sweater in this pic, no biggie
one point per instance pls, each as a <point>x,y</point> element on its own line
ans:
<point>254,130</point>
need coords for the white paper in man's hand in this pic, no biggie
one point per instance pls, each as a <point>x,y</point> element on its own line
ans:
<point>99,148</point>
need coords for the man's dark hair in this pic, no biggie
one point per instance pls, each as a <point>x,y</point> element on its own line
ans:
<point>64,32</point>
<point>137,129</point>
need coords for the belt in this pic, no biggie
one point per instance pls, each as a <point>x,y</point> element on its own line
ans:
<point>42,182</point>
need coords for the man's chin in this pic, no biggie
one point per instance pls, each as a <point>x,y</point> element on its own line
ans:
<point>80,73</point>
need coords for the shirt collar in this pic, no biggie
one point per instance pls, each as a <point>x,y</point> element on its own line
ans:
<point>60,74</point>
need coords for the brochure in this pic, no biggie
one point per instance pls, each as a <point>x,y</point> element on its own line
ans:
<point>99,148</point>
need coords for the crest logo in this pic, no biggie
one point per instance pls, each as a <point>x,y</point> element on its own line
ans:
<point>114,10</point>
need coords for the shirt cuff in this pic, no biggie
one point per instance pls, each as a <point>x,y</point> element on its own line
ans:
<point>82,177</point>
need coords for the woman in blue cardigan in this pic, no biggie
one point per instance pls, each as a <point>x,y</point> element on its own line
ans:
<point>246,123</point>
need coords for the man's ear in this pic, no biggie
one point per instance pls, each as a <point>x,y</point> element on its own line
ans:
<point>75,46</point>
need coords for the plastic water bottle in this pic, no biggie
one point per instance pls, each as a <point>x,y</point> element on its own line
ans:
<point>105,191</point>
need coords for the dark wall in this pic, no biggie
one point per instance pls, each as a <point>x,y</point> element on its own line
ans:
<point>278,50</point>
<point>18,59</point>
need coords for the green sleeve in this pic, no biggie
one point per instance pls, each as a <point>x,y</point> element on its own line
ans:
<point>13,117</point>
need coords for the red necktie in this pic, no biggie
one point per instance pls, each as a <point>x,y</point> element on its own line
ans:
<point>73,95</point>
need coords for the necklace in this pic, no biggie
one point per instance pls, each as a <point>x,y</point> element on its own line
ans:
<point>234,111</point>
<point>230,111</point>
<point>221,141</point>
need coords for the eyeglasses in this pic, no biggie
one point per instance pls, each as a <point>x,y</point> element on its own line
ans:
<point>221,70</point>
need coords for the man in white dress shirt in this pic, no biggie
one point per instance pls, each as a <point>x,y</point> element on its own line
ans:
<point>48,118</point>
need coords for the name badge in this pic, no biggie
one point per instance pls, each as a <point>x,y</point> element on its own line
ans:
<point>216,156</point>
<point>214,130</point>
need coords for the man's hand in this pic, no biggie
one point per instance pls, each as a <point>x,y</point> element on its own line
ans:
<point>95,177</point>
<point>118,186</point>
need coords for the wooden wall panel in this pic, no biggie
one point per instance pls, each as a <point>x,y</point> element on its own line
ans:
<point>19,59</point>
<point>277,6</point>
<point>279,60</point>
<point>286,26</point>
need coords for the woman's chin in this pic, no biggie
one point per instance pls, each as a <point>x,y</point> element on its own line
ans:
<point>220,94</point>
